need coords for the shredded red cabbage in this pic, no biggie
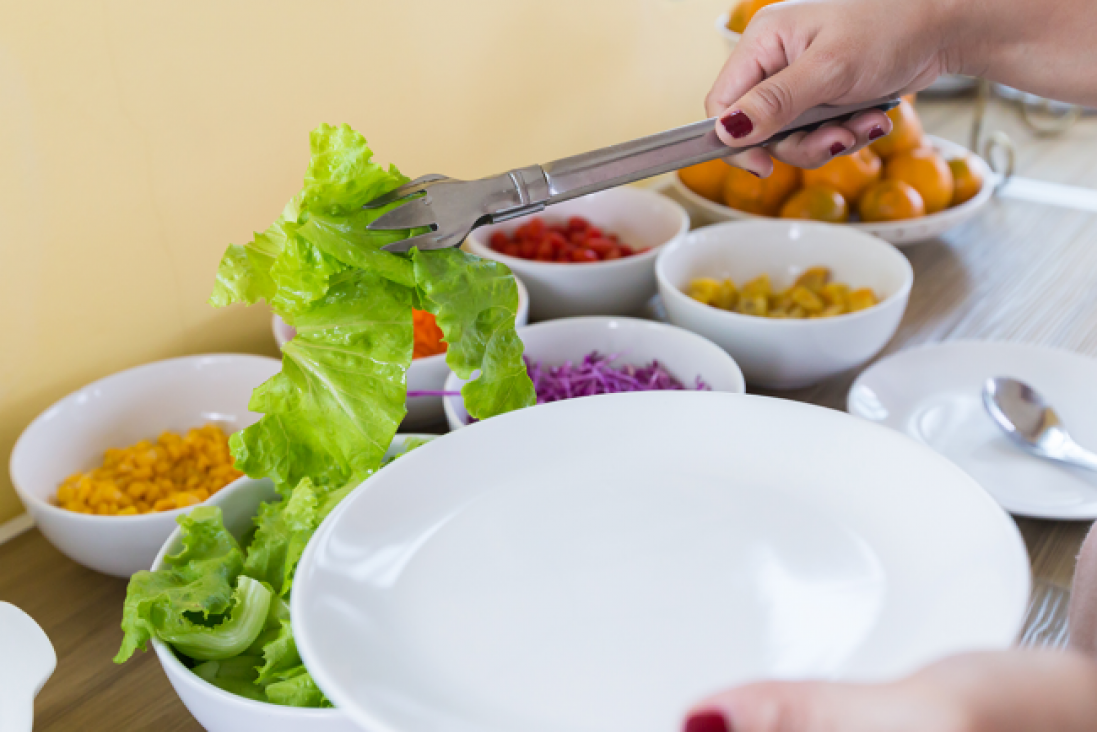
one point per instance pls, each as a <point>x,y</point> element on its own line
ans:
<point>596,374</point>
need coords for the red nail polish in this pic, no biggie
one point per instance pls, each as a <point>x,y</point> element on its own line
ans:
<point>737,124</point>
<point>707,721</point>
<point>837,149</point>
<point>876,133</point>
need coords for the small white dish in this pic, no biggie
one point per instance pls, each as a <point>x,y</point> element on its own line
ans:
<point>604,563</point>
<point>934,394</point>
<point>642,218</point>
<point>119,410</point>
<point>425,374</point>
<point>900,233</point>
<point>218,710</point>
<point>685,355</point>
<point>29,661</point>
<point>787,354</point>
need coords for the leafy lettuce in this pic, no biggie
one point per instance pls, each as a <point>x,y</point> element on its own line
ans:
<point>329,416</point>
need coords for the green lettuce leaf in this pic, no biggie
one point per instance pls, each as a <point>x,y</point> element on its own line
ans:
<point>195,585</point>
<point>282,531</point>
<point>297,689</point>
<point>335,407</point>
<point>237,675</point>
<point>475,302</point>
<point>279,656</point>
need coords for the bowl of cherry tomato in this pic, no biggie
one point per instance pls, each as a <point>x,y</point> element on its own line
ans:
<point>593,255</point>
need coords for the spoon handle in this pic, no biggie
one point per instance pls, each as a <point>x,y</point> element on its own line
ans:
<point>1075,454</point>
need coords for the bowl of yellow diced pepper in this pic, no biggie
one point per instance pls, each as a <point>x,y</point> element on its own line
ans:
<point>793,302</point>
<point>106,471</point>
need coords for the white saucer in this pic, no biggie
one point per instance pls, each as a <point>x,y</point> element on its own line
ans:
<point>600,564</point>
<point>934,394</point>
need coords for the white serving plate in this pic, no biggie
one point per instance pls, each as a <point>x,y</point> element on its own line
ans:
<point>934,394</point>
<point>603,563</point>
<point>425,374</point>
<point>900,233</point>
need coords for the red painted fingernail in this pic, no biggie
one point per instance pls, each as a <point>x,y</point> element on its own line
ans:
<point>837,149</point>
<point>876,133</point>
<point>737,124</point>
<point>707,721</point>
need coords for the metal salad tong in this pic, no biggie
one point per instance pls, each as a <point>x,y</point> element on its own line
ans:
<point>452,208</point>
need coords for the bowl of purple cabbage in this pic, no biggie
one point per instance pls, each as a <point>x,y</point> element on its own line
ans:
<point>582,357</point>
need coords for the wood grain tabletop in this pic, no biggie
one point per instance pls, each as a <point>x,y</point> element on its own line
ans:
<point>1022,272</point>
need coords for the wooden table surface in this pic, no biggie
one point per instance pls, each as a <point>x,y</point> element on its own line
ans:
<point>1021,272</point>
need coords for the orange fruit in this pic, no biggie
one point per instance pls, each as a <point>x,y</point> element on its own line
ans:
<point>761,196</point>
<point>925,171</point>
<point>706,179</point>
<point>966,179</point>
<point>850,175</point>
<point>891,200</point>
<point>818,203</point>
<point>906,132</point>
<point>742,13</point>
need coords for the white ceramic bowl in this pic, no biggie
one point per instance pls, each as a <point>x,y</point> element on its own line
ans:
<point>122,409</point>
<point>425,374</point>
<point>642,218</point>
<point>685,355</point>
<point>218,710</point>
<point>900,233</point>
<point>730,37</point>
<point>787,354</point>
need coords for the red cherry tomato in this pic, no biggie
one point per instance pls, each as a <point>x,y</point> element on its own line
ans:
<point>575,240</point>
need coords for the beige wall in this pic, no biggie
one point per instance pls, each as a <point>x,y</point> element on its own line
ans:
<point>138,138</point>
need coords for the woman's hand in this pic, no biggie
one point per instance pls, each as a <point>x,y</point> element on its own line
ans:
<point>800,53</point>
<point>1013,691</point>
<point>797,54</point>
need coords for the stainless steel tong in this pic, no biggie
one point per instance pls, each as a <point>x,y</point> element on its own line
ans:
<point>452,208</point>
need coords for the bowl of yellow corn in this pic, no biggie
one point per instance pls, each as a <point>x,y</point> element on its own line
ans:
<point>106,470</point>
<point>792,302</point>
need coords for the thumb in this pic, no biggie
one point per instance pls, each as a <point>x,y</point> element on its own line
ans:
<point>765,707</point>
<point>816,77</point>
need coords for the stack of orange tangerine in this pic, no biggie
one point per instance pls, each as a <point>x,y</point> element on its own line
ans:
<point>900,176</point>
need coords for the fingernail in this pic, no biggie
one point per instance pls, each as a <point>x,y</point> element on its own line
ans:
<point>837,149</point>
<point>876,133</point>
<point>707,721</point>
<point>737,124</point>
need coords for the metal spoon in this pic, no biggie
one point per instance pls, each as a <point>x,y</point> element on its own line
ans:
<point>1026,417</point>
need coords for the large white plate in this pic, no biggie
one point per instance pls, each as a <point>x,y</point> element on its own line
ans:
<point>934,394</point>
<point>599,564</point>
<point>899,233</point>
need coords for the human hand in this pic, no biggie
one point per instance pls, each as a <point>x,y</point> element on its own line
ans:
<point>1012,691</point>
<point>797,54</point>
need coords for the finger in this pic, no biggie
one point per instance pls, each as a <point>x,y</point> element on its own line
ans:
<point>765,707</point>
<point>869,126</point>
<point>776,101</point>
<point>812,149</point>
<point>755,160</point>
<point>751,62</point>
<point>823,707</point>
